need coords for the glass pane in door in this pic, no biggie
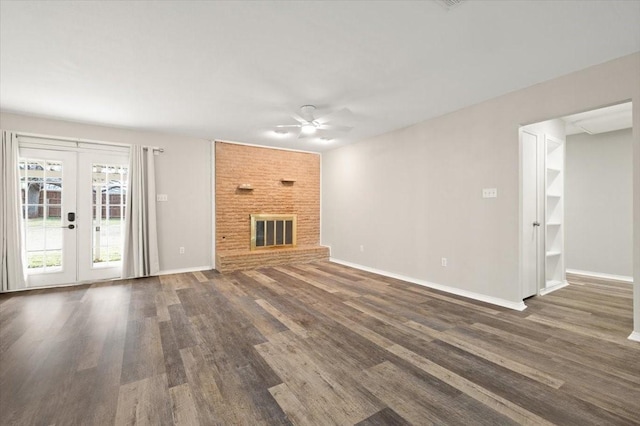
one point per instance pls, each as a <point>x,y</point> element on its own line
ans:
<point>109,189</point>
<point>41,188</point>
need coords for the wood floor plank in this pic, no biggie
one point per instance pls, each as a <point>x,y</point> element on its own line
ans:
<point>106,308</point>
<point>587,331</point>
<point>182,327</point>
<point>288,322</point>
<point>200,277</point>
<point>92,400</point>
<point>356,327</point>
<point>475,391</point>
<point>519,390</point>
<point>314,344</point>
<point>498,359</point>
<point>143,356</point>
<point>300,277</point>
<point>162,306</point>
<point>291,405</point>
<point>419,403</point>
<point>144,402</point>
<point>398,323</point>
<point>545,354</point>
<point>202,379</point>
<point>228,287</point>
<point>269,284</point>
<point>142,304</point>
<point>241,375</point>
<point>320,393</point>
<point>384,417</point>
<point>172,361</point>
<point>264,322</point>
<point>168,284</point>
<point>321,281</point>
<point>182,406</point>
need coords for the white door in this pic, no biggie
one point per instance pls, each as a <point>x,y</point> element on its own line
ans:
<point>48,187</point>
<point>73,210</point>
<point>102,185</point>
<point>531,211</point>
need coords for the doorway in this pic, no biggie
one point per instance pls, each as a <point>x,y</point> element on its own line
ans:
<point>598,188</point>
<point>73,208</point>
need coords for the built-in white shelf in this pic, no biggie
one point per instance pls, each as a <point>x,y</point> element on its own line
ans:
<point>554,212</point>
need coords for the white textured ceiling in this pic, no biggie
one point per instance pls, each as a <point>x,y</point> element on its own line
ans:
<point>234,70</point>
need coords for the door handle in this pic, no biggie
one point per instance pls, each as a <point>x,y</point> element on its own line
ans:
<point>71,226</point>
<point>536,223</point>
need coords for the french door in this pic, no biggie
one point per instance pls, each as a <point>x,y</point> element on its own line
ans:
<point>73,207</point>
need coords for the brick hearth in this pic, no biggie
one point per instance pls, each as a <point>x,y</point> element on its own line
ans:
<point>242,259</point>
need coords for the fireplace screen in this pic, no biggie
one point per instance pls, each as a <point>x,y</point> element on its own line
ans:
<point>273,230</point>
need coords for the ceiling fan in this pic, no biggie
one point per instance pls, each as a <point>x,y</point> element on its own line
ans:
<point>309,125</point>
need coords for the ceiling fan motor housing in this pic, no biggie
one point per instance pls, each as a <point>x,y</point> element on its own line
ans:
<point>307,111</point>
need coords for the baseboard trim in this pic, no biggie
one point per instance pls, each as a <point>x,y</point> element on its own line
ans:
<point>50,287</point>
<point>635,336</point>
<point>184,270</point>
<point>518,306</point>
<point>601,275</point>
<point>79,283</point>
<point>551,289</point>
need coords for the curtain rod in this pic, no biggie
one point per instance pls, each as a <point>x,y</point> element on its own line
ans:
<point>155,149</point>
<point>78,140</point>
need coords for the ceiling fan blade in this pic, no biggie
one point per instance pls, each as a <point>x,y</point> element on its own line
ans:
<point>287,125</point>
<point>327,126</point>
<point>299,118</point>
<point>341,114</point>
<point>303,135</point>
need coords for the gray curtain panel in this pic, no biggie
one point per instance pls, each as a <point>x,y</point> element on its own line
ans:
<point>141,240</point>
<point>12,273</point>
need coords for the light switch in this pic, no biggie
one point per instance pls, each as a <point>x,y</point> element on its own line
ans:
<point>162,197</point>
<point>490,193</point>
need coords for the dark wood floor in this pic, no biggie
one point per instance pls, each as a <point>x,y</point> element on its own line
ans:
<point>314,344</point>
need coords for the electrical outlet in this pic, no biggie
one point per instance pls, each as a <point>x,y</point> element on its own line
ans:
<point>444,261</point>
<point>181,250</point>
<point>490,193</point>
<point>362,248</point>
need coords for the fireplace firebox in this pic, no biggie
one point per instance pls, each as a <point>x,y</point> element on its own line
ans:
<point>270,231</point>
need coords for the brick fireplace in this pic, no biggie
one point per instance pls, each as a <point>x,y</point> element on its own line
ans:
<point>273,187</point>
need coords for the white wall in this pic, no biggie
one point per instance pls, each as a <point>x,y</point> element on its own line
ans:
<point>183,172</point>
<point>554,128</point>
<point>598,203</point>
<point>414,195</point>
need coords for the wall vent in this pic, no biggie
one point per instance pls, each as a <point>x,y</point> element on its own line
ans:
<point>449,4</point>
